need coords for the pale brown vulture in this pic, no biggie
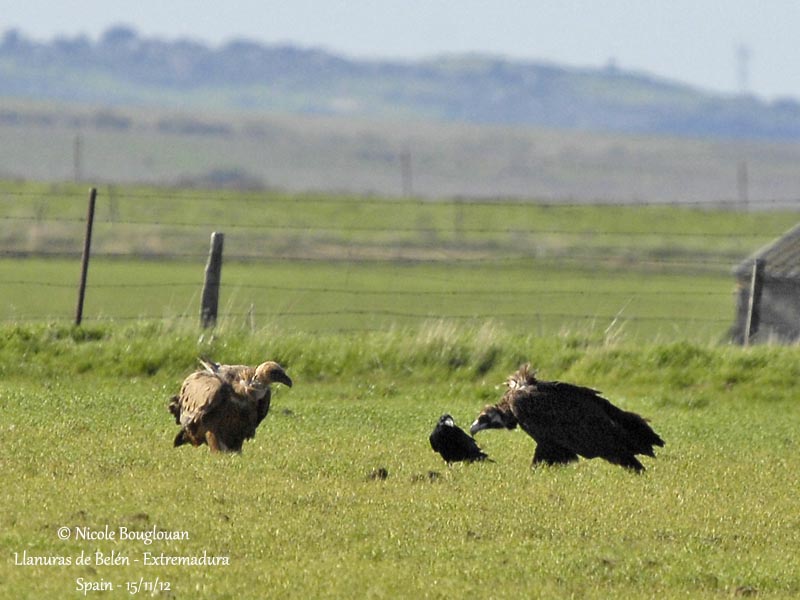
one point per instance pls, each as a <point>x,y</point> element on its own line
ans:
<point>568,421</point>
<point>222,405</point>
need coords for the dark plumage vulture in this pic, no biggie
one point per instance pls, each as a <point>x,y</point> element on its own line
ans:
<point>568,421</point>
<point>453,443</point>
<point>222,405</point>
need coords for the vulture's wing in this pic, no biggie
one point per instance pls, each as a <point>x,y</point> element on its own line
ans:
<point>232,373</point>
<point>201,394</point>
<point>630,428</point>
<point>640,436</point>
<point>229,373</point>
<point>567,419</point>
<point>240,377</point>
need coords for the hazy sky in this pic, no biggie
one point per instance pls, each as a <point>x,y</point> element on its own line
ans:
<point>693,41</point>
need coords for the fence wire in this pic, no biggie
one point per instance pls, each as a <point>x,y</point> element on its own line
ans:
<point>332,263</point>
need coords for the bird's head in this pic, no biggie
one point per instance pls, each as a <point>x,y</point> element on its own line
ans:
<point>447,421</point>
<point>270,372</point>
<point>524,377</point>
<point>498,416</point>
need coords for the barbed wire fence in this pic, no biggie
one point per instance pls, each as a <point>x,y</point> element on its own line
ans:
<point>362,263</point>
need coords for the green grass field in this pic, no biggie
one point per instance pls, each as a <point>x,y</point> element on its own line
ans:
<point>87,444</point>
<point>333,296</point>
<point>342,263</point>
<point>388,313</point>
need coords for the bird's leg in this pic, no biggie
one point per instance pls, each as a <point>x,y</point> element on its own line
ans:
<point>212,441</point>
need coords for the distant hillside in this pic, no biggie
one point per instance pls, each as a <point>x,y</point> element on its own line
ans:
<point>59,141</point>
<point>124,68</point>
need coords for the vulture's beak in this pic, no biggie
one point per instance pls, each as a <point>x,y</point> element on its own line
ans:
<point>281,377</point>
<point>476,427</point>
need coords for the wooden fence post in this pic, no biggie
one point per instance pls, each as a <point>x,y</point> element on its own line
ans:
<point>754,303</point>
<point>210,299</point>
<point>87,245</point>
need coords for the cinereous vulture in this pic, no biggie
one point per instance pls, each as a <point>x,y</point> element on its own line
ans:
<point>453,443</point>
<point>568,421</point>
<point>222,405</point>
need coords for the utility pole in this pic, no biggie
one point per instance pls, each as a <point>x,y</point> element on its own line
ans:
<point>743,56</point>
<point>405,172</point>
<point>77,158</point>
<point>743,186</point>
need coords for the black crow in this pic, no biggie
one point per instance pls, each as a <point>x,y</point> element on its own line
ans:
<point>453,443</point>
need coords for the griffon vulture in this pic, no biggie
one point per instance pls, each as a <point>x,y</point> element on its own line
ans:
<point>453,444</point>
<point>568,421</point>
<point>222,405</point>
<point>245,380</point>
